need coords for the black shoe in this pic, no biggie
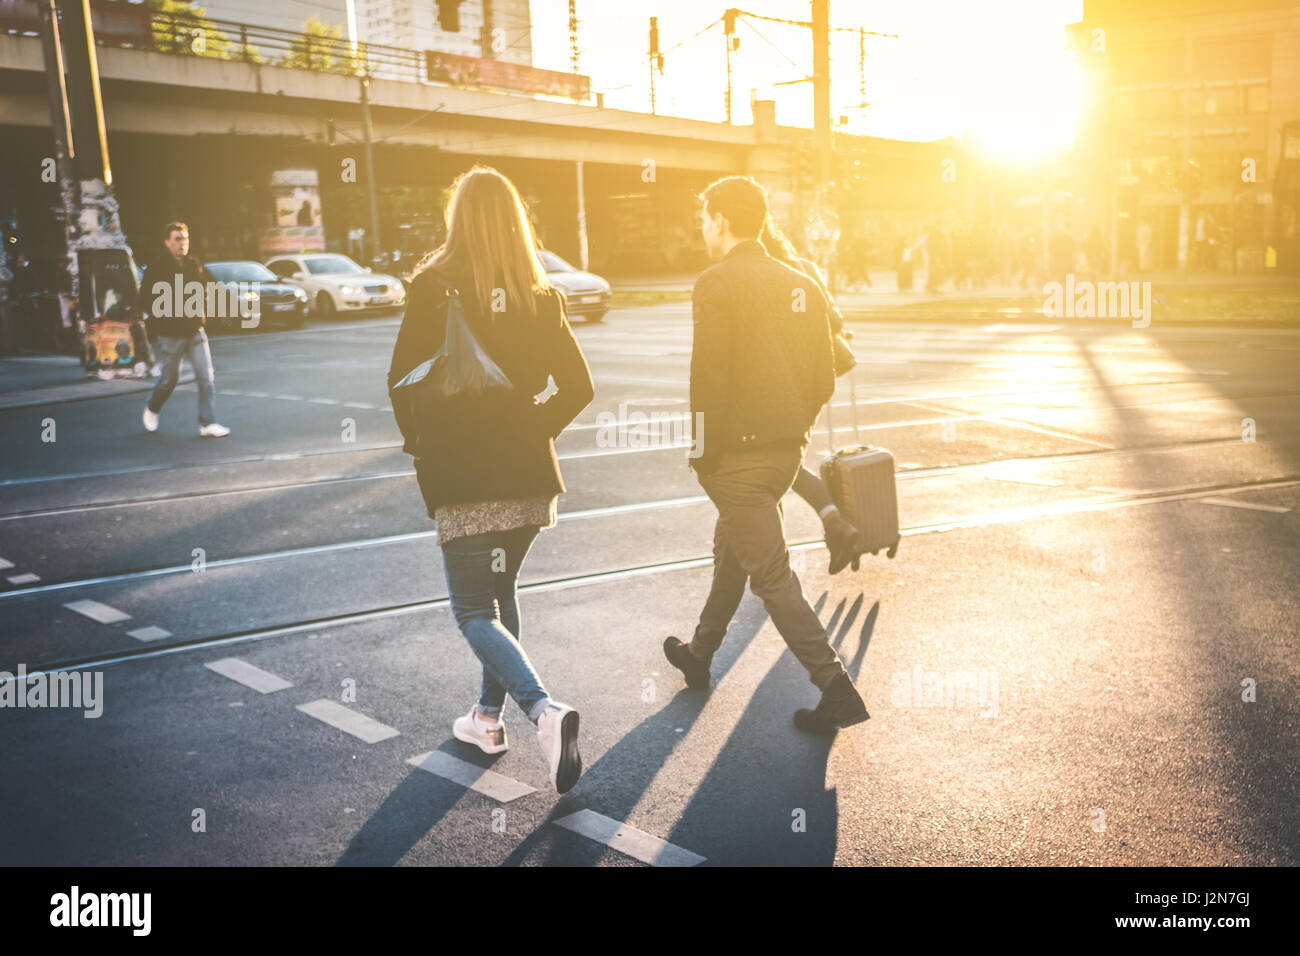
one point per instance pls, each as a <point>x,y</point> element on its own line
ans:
<point>680,656</point>
<point>842,541</point>
<point>840,706</point>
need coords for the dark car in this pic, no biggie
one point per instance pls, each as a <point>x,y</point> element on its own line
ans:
<point>269,299</point>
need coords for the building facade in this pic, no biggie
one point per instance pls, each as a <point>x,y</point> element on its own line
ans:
<point>1190,141</point>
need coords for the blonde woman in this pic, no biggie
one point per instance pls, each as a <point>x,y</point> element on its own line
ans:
<point>486,465</point>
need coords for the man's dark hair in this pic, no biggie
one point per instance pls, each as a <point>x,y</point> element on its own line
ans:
<point>175,227</point>
<point>742,201</point>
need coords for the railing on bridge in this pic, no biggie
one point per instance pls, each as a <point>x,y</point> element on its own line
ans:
<point>224,39</point>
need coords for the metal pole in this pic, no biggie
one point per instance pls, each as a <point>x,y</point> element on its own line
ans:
<point>372,188</point>
<point>582,220</point>
<point>61,127</point>
<point>1185,205</point>
<point>821,37</point>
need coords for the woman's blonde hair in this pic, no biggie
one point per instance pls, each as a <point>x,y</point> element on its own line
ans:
<point>490,238</point>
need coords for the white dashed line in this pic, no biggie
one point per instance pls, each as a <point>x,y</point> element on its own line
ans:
<point>360,405</point>
<point>98,612</point>
<point>324,401</point>
<point>349,721</point>
<point>1249,505</point>
<point>257,394</point>
<point>149,633</point>
<point>264,682</point>
<point>487,782</point>
<point>289,398</point>
<point>628,840</point>
<point>27,578</point>
<point>5,565</point>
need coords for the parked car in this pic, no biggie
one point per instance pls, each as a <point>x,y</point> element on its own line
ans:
<point>273,301</point>
<point>585,293</point>
<point>335,283</point>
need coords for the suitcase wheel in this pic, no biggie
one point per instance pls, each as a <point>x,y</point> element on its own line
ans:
<point>893,550</point>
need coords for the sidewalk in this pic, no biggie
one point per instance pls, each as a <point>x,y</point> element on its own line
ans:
<point>48,379</point>
<point>1245,299</point>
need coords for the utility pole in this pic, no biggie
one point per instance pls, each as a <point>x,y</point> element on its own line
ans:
<point>821,38</point>
<point>372,187</point>
<point>367,134</point>
<point>573,36</point>
<point>1185,177</point>
<point>733,43</point>
<point>61,126</point>
<point>656,59</point>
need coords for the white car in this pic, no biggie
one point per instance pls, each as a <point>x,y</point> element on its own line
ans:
<point>334,283</point>
<point>585,293</point>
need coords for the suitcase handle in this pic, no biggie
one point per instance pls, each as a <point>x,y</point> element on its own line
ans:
<point>853,402</point>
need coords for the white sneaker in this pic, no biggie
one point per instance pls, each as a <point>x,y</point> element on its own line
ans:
<point>139,369</point>
<point>487,737</point>
<point>155,370</point>
<point>150,420</point>
<point>213,431</point>
<point>557,732</point>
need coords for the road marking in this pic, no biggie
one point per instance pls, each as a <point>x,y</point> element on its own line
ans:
<point>149,633</point>
<point>628,839</point>
<point>1250,505</point>
<point>27,578</point>
<point>5,565</point>
<point>1024,480</point>
<point>257,394</point>
<point>98,612</point>
<point>349,721</point>
<point>289,398</point>
<point>487,782</point>
<point>359,405</point>
<point>324,401</point>
<point>242,672</point>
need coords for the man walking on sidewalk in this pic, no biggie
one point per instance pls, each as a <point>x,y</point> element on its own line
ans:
<point>171,311</point>
<point>761,369</point>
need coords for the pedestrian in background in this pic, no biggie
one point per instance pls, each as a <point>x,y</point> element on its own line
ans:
<point>761,370</point>
<point>841,536</point>
<point>486,466</point>
<point>179,336</point>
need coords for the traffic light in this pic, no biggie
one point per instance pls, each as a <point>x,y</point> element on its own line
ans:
<point>449,15</point>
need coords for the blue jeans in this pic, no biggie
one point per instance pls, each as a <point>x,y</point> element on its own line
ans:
<point>482,570</point>
<point>196,350</point>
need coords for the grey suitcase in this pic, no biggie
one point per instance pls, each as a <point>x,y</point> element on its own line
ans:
<point>860,479</point>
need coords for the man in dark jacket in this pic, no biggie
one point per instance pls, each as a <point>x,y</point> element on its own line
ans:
<point>761,370</point>
<point>173,293</point>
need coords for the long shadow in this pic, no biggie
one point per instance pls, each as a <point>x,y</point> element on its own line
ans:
<point>1251,742</point>
<point>617,781</point>
<point>764,799</point>
<point>409,812</point>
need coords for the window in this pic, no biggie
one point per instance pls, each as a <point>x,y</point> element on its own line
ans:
<point>283,267</point>
<point>1257,99</point>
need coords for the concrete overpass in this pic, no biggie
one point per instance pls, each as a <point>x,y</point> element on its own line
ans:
<point>188,133</point>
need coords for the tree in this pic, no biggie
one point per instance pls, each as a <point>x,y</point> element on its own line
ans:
<point>321,46</point>
<point>180,27</point>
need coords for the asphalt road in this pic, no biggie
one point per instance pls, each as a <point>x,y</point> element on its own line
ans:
<point>1101,559</point>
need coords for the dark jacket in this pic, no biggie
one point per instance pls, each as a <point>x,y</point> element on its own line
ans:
<point>810,269</point>
<point>159,309</point>
<point>490,449</point>
<point>761,367</point>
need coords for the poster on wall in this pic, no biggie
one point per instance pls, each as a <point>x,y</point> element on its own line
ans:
<point>296,223</point>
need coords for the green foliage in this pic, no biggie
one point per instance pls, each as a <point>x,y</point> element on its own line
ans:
<point>321,46</point>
